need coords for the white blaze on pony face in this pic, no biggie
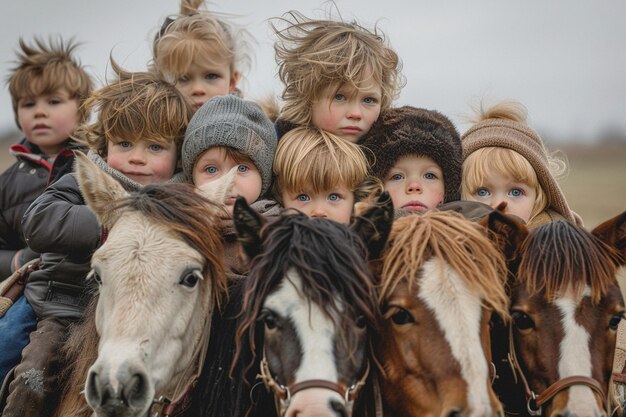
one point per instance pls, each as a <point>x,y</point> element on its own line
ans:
<point>575,355</point>
<point>151,326</point>
<point>316,334</point>
<point>458,311</point>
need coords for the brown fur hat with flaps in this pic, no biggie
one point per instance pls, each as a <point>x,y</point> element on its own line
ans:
<point>405,131</point>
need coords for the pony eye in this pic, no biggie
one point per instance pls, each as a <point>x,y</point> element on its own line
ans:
<point>271,321</point>
<point>402,316</point>
<point>614,322</point>
<point>523,321</point>
<point>361,323</point>
<point>190,278</point>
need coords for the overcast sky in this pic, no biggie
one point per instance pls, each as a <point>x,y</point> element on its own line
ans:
<point>564,59</point>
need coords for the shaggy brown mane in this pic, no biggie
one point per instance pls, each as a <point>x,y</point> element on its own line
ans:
<point>460,243</point>
<point>179,207</point>
<point>560,256</point>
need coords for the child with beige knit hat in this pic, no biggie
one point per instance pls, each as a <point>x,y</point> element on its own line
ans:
<point>505,160</point>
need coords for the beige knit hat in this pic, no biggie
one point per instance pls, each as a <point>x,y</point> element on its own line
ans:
<point>503,133</point>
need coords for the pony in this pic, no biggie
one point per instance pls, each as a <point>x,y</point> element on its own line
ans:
<point>159,275</point>
<point>566,306</point>
<point>441,278</point>
<point>309,308</point>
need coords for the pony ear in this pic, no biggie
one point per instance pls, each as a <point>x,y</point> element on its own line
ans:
<point>613,233</point>
<point>217,191</point>
<point>506,232</point>
<point>248,224</point>
<point>374,225</point>
<point>99,189</point>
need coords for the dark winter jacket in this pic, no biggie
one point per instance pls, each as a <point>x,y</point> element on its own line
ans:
<point>20,185</point>
<point>66,232</point>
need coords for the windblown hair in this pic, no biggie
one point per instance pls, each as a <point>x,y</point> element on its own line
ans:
<point>136,106</point>
<point>198,37</point>
<point>316,55</point>
<point>560,256</point>
<point>455,241</point>
<point>312,160</point>
<point>45,68</point>
<point>331,262</point>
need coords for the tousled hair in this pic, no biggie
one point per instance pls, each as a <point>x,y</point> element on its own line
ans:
<point>46,67</point>
<point>310,159</point>
<point>198,36</point>
<point>315,55</point>
<point>135,106</point>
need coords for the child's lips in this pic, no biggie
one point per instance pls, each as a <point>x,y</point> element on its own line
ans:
<point>40,127</point>
<point>352,130</point>
<point>414,206</point>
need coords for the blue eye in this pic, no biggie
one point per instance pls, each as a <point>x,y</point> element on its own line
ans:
<point>125,144</point>
<point>303,197</point>
<point>334,197</point>
<point>430,176</point>
<point>339,97</point>
<point>211,76</point>
<point>155,147</point>
<point>210,169</point>
<point>482,192</point>
<point>370,100</point>
<point>396,177</point>
<point>516,192</point>
<point>183,78</point>
<point>242,168</point>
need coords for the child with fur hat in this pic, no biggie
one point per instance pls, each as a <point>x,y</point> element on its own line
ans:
<point>505,160</point>
<point>416,153</point>
<point>201,53</point>
<point>48,87</point>
<point>338,76</point>
<point>319,174</point>
<point>135,139</point>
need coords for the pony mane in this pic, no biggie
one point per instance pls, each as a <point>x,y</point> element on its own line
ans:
<point>448,236</point>
<point>193,217</point>
<point>330,260</point>
<point>559,256</point>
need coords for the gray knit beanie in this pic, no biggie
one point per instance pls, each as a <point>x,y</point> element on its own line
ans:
<point>236,123</point>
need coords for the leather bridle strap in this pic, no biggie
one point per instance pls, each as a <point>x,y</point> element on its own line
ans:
<point>536,401</point>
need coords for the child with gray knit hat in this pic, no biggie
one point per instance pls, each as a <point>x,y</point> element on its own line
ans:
<point>228,132</point>
<point>416,153</point>
<point>505,160</point>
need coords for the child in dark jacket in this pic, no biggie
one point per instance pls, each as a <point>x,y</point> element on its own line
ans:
<point>136,139</point>
<point>48,87</point>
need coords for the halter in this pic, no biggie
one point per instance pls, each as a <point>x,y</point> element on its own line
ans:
<point>535,402</point>
<point>283,394</point>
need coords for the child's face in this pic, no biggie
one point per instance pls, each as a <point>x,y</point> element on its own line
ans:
<point>520,197</point>
<point>203,82</point>
<point>48,120</point>
<point>143,161</point>
<point>348,113</point>
<point>214,163</point>
<point>336,204</point>
<point>415,183</point>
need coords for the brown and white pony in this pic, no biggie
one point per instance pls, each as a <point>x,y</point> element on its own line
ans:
<point>160,275</point>
<point>566,306</point>
<point>441,278</point>
<point>309,309</point>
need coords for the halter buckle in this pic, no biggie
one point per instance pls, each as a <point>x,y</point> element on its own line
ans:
<point>532,407</point>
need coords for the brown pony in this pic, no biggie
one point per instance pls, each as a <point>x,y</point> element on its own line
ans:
<point>566,306</point>
<point>441,277</point>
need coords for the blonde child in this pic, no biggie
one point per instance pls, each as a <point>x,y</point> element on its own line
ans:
<point>200,53</point>
<point>505,160</point>
<point>338,76</point>
<point>48,87</point>
<point>416,153</point>
<point>319,174</point>
<point>140,124</point>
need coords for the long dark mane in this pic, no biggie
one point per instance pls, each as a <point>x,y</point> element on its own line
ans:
<point>559,256</point>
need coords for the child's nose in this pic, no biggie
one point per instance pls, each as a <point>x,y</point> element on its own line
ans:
<point>354,112</point>
<point>40,110</point>
<point>413,186</point>
<point>137,156</point>
<point>318,211</point>
<point>197,88</point>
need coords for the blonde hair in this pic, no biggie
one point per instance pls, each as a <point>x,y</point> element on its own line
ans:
<point>197,36</point>
<point>314,55</point>
<point>135,106</point>
<point>310,159</point>
<point>46,68</point>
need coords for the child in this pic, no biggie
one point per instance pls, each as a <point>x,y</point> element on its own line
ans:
<point>338,76</point>
<point>505,160</point>
<point>199,53</point>
<point>141,122</point>
<point>318,173</point>
<point>47,88</point>
<point>416,153</point>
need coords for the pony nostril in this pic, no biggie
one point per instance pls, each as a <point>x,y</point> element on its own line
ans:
<point>454,413</point>
<point>134,391</point>
<point>92,391</point>
<point>339,408</point>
